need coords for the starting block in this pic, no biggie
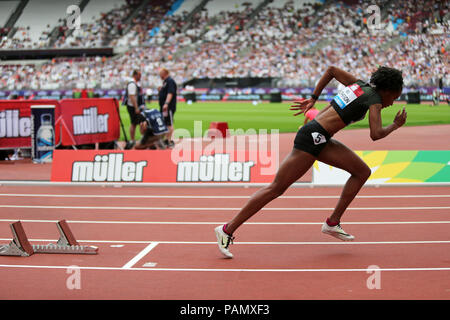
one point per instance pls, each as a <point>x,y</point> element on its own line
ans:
<point>20,246</point>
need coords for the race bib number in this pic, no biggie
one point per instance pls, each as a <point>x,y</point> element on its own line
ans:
<point>348,95</point>
<point>318,138</point>
<point>156,121</point>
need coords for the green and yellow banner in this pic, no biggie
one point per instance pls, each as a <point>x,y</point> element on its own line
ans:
<point>393,167</point>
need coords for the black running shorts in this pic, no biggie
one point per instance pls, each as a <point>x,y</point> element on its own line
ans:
<point>136,118</point>
<point>311,138</point>
<point>168,120</point>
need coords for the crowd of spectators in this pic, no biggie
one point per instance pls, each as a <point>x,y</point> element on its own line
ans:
<point>4,32</point>
<point>146,23</point>
<point>101,32</point>
<point>413,12</point>
<point>295,45</point>
<point>22,39</point>
<point>97,33</point>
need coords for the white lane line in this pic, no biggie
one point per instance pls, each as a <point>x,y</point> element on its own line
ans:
<point>252,243</point>
<point>213,197</point>
<point>222,222</point>
<point>215,209</point>
<point>224,270</point>
<point>140,255</point>
<point>9,183</point>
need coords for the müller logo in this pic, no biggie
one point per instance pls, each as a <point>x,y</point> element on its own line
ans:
<point>14,126</point>
<point>90,122</point>
<point>108,168</point>
<point>214,168</point>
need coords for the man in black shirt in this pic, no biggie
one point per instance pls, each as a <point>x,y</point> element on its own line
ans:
<point>168,103</point>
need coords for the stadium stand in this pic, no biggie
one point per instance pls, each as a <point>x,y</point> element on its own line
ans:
<point>147,23</point>
<point>187,6</point>
<point>102,20</point>
<point>6,10</point>
<point>293,41</point>
<point>96,8</point>
<point>37,21</point>
<point>7,28</point>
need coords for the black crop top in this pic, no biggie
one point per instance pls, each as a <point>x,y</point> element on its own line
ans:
<point>352,102</point>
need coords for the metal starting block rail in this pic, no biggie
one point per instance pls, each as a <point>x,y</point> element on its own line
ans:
<point>20,246</point>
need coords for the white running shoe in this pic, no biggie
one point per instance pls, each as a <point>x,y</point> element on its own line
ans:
<point>337,232</point>
<point>224,240</point>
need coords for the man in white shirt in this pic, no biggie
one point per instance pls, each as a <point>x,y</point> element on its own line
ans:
<point>135,103</point>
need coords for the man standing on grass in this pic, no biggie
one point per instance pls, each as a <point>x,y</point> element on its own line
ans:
<point>135,102</point>
<point>168,103</point>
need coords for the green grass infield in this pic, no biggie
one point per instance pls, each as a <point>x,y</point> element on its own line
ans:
<point>246,115</point>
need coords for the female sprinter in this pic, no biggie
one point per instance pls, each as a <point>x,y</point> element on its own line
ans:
<point>313,142</point>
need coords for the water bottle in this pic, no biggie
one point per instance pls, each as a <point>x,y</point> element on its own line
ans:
<point>45,139</point>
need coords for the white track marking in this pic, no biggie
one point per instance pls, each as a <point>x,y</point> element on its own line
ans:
<point>214,209</point>
<point>139,256</point>
<point>209,184</point>
<point>252,243</point>
<point>222,222</point>
<point>212,197</point>
<point>224,270</point>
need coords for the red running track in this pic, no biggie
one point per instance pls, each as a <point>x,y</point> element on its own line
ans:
<point>158,243</point>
